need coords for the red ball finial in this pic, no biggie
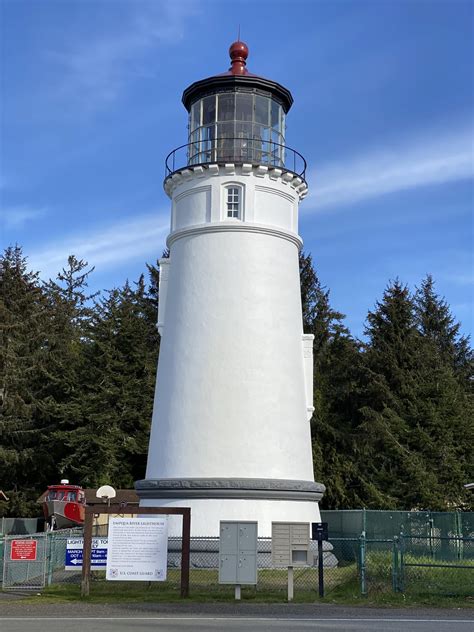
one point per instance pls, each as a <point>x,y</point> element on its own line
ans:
<point>238,52</point>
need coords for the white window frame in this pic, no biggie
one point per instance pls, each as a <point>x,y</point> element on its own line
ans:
<point>233,201</point>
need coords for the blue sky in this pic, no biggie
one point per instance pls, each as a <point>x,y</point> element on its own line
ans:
<point>91,105</point>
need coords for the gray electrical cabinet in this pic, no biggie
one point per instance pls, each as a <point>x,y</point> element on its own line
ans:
<point>290,544</point>
<point>238,553</point>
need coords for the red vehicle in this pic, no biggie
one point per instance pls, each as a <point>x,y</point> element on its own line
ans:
<point>64,506</point>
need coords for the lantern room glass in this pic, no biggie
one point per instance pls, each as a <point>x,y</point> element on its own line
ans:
<point>237,127</point>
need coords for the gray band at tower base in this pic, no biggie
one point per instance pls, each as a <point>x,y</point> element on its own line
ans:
<point>218,488</point>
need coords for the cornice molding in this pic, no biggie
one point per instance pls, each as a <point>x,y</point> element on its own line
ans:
<point>263,172</point>
<point>234,226</point>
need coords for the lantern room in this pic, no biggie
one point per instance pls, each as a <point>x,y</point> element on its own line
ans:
<point>237,117</point>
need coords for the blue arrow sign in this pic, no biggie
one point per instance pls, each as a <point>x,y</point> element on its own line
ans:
<point>74,554</point>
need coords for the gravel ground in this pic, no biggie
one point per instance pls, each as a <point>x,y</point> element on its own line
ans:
<point>14,607</point>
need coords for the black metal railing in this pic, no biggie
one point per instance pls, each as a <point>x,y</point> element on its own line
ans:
<point>238,151</point>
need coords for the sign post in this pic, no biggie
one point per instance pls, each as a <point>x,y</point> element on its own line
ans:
<point>319,532</point>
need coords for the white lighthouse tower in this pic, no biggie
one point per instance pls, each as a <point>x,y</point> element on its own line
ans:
<point>230,434</point>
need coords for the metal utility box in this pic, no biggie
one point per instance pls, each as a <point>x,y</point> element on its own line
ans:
<point>290,544</point>
<point>319,531</point>
<point>238,553</point>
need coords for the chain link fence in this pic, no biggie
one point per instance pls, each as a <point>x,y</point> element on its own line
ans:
<point>435,565</point>
<point>419,560</point>
<point>24,561</point>
<point>351,523</point>
<point>43,562</point>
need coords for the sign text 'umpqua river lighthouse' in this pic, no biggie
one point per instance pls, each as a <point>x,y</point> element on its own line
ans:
<point>230,434</point>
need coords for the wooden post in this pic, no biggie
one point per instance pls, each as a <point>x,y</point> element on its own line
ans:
<point>185,553</point>
<point>86,553</point>
<point>290,583</point>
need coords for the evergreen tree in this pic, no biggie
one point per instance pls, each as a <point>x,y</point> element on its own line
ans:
<point>111,444</point>
<point>319,318</point>
<point>22,338</point>
<point>413,421</point>
<point>393,474</point>
<point>436,323</point>
<point>336,358</point>
<point>446,400</point>
<point>63,373</point>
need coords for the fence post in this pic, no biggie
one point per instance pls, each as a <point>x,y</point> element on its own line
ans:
<point>3,548</point>
<point>401,582</point>
<point>394,564</point>
<point>396,559</point>
<point>49,548</point>
<point>362,555</point>
<point>431,532</point>
<point>86,552</point>
<point>459,536</point>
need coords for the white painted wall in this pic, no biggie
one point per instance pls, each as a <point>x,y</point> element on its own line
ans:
<point>231,377</point>
<point>232,393</point>
<point>206,514</point>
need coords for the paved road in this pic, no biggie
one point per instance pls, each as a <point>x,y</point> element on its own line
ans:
<point>77,617</point>
<point>234,624</point>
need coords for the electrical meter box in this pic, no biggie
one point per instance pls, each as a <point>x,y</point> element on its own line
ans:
<point>238,553</point>
<point>290,544</point>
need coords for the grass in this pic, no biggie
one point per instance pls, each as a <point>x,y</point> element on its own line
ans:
<point>341,586</point>
<point>424,586</point>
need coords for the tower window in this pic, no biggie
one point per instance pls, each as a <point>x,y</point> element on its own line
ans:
<point>234,202</point>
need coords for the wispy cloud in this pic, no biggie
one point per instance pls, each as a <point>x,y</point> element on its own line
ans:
<point>460,278</point>
<point>141,237</point>
<point>429,160</point>
<point>16,217</point>
<point>96,70</point>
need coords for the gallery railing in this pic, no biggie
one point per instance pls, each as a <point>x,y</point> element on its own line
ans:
<point>238,151</point>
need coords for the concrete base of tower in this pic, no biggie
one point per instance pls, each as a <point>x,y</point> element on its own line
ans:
<point>213,500</point>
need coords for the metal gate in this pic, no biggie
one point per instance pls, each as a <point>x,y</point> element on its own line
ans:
<point>24,563</point>
<point>434,565</point>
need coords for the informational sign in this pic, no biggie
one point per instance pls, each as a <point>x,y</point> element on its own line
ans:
<point>23,550</point>
<point>138,549</point>
<point>74,554</point>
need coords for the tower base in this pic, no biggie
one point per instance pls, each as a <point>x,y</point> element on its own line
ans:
<point>213,500</point>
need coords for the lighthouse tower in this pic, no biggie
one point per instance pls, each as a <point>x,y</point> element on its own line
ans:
<point>230,435</point>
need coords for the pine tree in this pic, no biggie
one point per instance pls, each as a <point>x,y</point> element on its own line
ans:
<point>446,400</point>
<point>436,323</point>
<point>393,474</point>
<point>22,339</point>
<point>111,445</point>
<point>63,372</point>
<point>414,429</point>
<point>336,357</point>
